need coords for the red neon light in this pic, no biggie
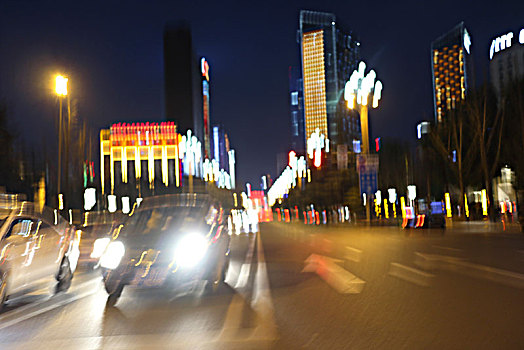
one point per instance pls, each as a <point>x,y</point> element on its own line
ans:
<point>205,69</point>
<point>292,155</point>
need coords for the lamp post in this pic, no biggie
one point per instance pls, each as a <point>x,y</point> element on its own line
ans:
<point>61,91</point>
<point>359,90</point>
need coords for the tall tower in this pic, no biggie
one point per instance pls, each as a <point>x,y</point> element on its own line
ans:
<point>204,68</point>
<point>506,55</point>
<point>450,56</point>
<point>182,80</point>
<point>328,56</point>
<point>296,95</point>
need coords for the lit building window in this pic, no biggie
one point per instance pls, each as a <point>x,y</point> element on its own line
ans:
<point>294,98</point>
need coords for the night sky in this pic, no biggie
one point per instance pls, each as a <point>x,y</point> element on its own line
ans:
<point>113,55</point>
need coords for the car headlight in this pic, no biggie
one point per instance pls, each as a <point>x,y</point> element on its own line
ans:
<point>112,255</point>
<point>190,250</point>
<point>99,247</point>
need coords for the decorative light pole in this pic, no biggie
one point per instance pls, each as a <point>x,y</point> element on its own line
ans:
<point>359,90</point>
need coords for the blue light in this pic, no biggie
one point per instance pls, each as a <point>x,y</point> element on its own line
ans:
<point>217,145</point>
<point>356,146</point>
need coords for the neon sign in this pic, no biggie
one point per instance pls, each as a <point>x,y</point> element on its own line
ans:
<point>204,67</point>
<point>504,42</point>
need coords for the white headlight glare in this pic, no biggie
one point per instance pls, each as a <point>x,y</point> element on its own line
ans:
<point>99,247</point>
<point>112,255</point>
<point>190,250</point>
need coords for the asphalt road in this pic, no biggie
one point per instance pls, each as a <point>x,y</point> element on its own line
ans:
<point>298,287</point>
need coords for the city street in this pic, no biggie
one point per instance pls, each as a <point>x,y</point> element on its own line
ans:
<point>305,287</point>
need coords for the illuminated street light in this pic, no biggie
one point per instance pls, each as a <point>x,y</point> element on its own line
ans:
<point>61,85</point>
<point>359,89</point>
<point>61,91</point>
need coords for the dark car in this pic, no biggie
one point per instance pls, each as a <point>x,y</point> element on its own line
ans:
<point>434,216</point>
<point>168,240</point>
<point>37,248</point>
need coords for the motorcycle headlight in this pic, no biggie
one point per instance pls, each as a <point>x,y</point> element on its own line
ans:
<point>190,250</point>
<point>99,247</point>
<point>112,255</point>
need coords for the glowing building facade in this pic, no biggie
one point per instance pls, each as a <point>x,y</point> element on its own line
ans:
<point>204,69</point>
<point>135,152</point>
<point>328,56</point>
<point>450,58</point>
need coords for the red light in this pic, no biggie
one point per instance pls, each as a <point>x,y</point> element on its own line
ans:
<point>292,155</point>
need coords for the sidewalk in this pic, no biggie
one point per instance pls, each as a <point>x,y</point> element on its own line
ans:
<point>484,227</point>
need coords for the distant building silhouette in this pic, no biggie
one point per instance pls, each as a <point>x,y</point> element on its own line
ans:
<point>182,80</point>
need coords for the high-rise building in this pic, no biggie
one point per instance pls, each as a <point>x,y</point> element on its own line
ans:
<point>297,110</point>
<point>204,68</point>
<point>450,64</point>
<point>220,147</point>
<point>506,56</point>
<point>328,56</point>
<point>182,80</point>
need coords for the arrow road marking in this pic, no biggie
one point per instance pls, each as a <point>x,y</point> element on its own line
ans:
<point>337,277</point>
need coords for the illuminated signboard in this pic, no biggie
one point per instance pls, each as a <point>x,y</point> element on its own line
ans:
<point>135,142</point>
<point>204,67</point>
<point>504,41</point>
<point>205,92</point>
<point>467,41</point>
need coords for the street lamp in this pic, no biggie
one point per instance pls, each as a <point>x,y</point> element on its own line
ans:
<point>61,91</point>
<point>358,92</point>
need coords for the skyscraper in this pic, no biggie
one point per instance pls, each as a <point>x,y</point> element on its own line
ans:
<point>328,56</point>
<point>451,62</point>
<point>182,80</point>
<point>297,110</point>
<point>506,55</point>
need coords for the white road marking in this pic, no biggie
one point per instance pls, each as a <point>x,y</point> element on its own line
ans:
<point>447,248</point>
<point>31,305</point>
<point>264,331</point>
<point>458,265</point>
<point>434,261</point>
<point>410,274</point>
<point>337,277</point>
<point>72,298</point>
<point>262,302</point>
<point>353,254</point>
<point>243,276</point>
<point>245,269</point>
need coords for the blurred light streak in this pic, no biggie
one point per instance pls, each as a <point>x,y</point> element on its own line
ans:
<point>448,205</point>
<point>484,203</point>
